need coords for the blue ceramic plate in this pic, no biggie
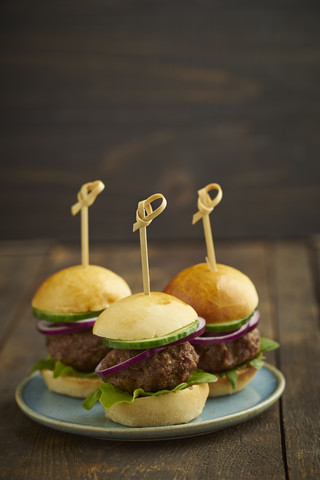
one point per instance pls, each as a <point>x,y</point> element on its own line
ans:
<point>66,413</point>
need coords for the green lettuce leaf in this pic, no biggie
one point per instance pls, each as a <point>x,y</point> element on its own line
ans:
<point>91,399</point>
<point>59,368</point>
<point>108,395</point>
<point>201,376</point>
<point>257,363</point>
<point>232,376</point>
<point>43,364</point>
<point>266,345</point>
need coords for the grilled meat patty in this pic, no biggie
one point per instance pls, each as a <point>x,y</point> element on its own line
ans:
<point>82,350</point>
<point>218,357</point>
<point>163,370</point>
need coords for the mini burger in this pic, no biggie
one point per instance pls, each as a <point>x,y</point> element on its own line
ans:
<point>150,373</point>
<point>231,346</point>
<point>66,305</point>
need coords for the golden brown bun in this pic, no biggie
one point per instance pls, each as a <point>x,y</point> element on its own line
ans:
<point>79,387</point>
<point>80,289</point>
<point>141,316</point>
<point>172,408</point>
<point>218,296</point>
<point>224,387</point>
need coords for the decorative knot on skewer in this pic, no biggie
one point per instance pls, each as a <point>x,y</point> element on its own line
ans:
<point>145,213</point>
<point>144,216</point>
<point>87,195</point>
<point>205,203</point>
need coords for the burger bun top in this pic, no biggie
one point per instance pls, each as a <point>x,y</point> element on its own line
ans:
<point>141,316</point>
<point>218,296</point>
<point>80,289</point>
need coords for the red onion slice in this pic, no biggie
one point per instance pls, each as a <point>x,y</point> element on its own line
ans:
<point>51,328</point>
<point>228,337</point>
<point>148,353</point>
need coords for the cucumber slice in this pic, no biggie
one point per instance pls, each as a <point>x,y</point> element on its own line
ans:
<point>228,326</point>
<point>62,317</point>
<point>152,342</point>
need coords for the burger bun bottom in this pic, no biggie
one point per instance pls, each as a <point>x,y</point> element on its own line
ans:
<point>79,387</point>
<point>223,386</point>
<point>171,408</point>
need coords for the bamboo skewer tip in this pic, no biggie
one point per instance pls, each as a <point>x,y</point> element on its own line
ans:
<point>86,197</point>
<point>206,204</point>
<point>144,216</point>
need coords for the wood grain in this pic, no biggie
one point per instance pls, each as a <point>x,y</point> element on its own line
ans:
<point>298,326</point>
<point>28,450</point>
<point>153,96</point>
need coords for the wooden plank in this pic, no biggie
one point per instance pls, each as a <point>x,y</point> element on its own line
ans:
<point>32,451</point>
<point>172,98</point>
<point>314,246</point>
<point>19,264</point>
<point>298,327</point>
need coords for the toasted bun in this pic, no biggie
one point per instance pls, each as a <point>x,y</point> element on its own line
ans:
<point>80,289</point>
<point>79,387</point>
<point>224,387</point>
<point>218,296</point>
<point>172,408</point>
<point>141,316</point>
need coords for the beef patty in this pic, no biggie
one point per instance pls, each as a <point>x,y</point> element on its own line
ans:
<point>163,370</point>
<point>218,357</point>
<point>82,350</point>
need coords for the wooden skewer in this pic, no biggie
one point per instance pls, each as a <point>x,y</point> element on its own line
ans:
<point>84,236</point>
<point>206,204</point>
<point>86,197</point>
<point>144,216</point>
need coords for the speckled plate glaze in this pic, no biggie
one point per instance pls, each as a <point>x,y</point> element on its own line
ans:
<point>64,413</point>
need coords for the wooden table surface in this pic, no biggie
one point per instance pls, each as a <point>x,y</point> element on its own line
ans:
<point>283,442</point>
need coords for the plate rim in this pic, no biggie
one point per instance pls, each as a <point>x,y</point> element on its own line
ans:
<point>148,433</point>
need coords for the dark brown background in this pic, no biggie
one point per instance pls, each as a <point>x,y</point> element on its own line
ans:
<point>156,96</point>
